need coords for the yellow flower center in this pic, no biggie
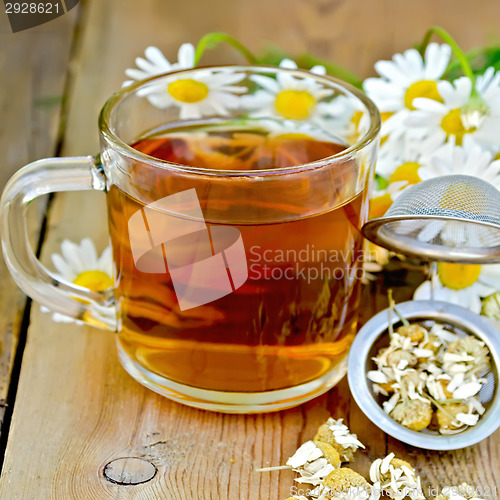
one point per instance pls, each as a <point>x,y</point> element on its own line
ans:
<point>423,88</point>
<point>95,280</point>
<point>452,124</point>
<point>497,157</point>
<point>380,205</point>
<point>188,90</point>
<point>294,104</point>
<point>406,172</point>
<point>458,276</point>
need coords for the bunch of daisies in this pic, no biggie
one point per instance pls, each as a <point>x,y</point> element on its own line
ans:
<point>434,126</point>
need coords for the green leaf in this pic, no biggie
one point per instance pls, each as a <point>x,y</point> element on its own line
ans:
<point>479,59</point>
<point>211,40</point>
<point>381,182</point>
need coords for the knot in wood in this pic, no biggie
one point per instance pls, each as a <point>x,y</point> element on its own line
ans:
<point>129,471</point>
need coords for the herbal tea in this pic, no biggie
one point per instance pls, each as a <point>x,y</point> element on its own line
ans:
<point>293,319</point>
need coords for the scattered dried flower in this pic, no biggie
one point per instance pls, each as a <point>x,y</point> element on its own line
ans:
<point>396,477</point>
<point>335,433</point>
<point>314,461</point>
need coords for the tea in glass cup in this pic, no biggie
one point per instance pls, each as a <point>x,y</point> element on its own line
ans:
<point>236,234</point>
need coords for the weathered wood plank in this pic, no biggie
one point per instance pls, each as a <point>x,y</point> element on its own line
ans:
<point>33,68</point>
<point>77,410</point>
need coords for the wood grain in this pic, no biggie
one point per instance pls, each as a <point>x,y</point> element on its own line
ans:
<point>77,410</point>
<point>33,68</point>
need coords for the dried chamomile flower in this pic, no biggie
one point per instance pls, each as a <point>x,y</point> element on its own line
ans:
<point>344,483</point>
<point>401,359</point>
<point>453,417</point>
<point>330,453</point>
<point>445,336</point>
<point>335,433</point>
<point>414,414</point>
<point>431,342</point>
<point>438,387</point>
<point>396,477</point>
<point>353,493</point>
<point>415,332</point>
<point>314,461</point>
<point>468,355</point>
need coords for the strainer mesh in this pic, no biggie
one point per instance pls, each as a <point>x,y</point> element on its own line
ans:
<point>459,196</point>
<point>454,211</point>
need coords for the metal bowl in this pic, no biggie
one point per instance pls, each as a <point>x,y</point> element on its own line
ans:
<point>360,362</point>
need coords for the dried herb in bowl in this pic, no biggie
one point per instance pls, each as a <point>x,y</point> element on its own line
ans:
<point>430,377</point>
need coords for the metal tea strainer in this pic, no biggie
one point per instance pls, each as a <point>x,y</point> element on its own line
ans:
<point>453,218</point>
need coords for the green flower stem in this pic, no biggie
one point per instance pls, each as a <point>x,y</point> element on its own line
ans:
<point>392,305</point>
<point>211,40</point>
<point>459,53</point>
<point>307,60</point>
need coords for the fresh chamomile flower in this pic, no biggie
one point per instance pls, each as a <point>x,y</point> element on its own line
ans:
<point>79,264</point>
<point>468,159</point>
<point>461,284</point>
<point>155,63</point>
<point>460,113</point>
<point>291,97</point>
<point>400,161</point>
<point>204,92</point>
<point>407,77</point>
<point>338,116</point>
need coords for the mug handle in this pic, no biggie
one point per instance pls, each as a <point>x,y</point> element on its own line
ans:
<point>35,179</point>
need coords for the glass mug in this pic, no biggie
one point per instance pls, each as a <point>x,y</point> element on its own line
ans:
<point>235,201</point>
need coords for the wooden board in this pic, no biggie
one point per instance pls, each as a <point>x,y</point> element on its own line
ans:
<point>33,68</point>
<point>76,409</point>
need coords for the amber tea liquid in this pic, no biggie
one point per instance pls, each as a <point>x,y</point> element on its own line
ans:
<point>293,319</point>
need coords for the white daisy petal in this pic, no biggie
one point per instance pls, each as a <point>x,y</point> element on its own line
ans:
<point>437,57</point>
<point>157,58</point>
<point>136,74</point>
<point>88,253</point>
<point>185,56</point>
<point>65,269</point>
<point>72,255</point>
<point>288,63</point>
<point>266,83</point>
